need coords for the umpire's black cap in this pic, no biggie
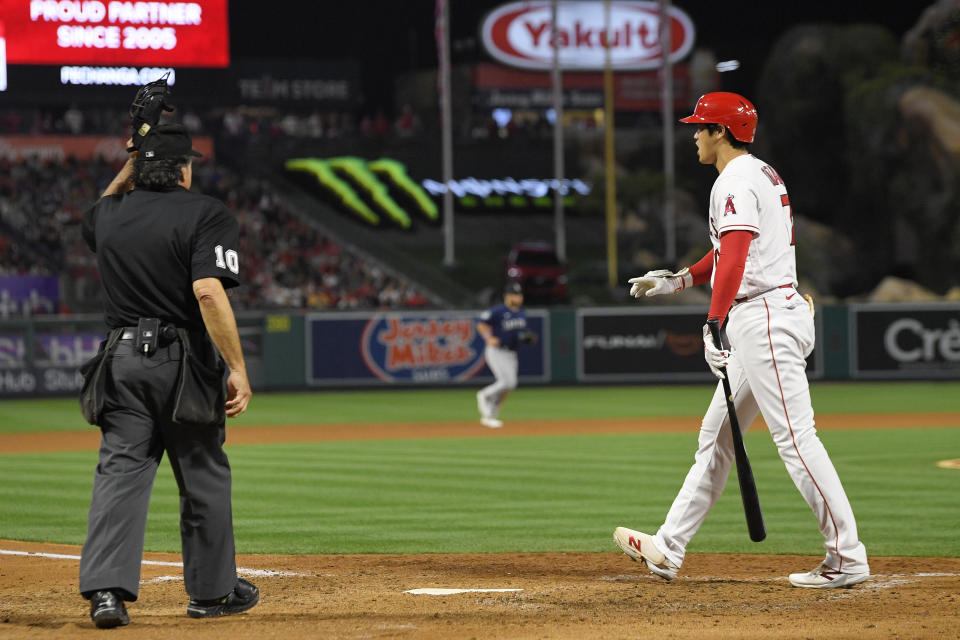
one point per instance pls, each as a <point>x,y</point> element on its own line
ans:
<point>168,141</point>
<point>513,287</point>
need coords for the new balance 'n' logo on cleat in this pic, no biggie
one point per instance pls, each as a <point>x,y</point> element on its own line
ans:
<point>823,577</point>
<point>639,546</point>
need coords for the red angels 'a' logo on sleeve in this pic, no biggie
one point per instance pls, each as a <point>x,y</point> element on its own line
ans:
<point>729,208</point>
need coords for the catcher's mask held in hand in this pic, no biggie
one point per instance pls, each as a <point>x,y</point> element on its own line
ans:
<point>147,105</point>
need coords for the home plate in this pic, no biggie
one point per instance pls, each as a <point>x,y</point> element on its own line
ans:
<point>449,592</point>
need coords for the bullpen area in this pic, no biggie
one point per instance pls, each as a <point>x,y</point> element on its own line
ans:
<point>395,514</point>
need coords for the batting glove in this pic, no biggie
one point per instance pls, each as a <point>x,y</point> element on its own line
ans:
<point>717,359</point>
<point>661,281</point>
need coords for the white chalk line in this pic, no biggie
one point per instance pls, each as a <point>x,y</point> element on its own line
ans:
<point>261,573</point>
<point>891,579</point>
<point>449,592</point>
<point>885,577</point>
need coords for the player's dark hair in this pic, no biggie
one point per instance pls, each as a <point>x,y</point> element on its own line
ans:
<point>158,175</point>
<point>736,144</point>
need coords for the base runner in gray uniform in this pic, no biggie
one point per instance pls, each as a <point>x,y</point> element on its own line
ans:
<point>165,257</point>
<point>503,328</point>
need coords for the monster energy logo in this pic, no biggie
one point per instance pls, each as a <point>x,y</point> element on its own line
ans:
<point>341,175</point>
<point>369,189</point>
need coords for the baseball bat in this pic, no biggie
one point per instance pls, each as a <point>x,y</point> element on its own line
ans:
<point>748,486</point>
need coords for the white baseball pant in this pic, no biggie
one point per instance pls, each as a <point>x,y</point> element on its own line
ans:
<point>504,365</point>
<point>771,337</point>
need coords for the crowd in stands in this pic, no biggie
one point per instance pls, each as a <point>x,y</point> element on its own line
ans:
<point>242,122</point>
<point>288,262</point>
<point>69,121</point>
<point>231,122</point>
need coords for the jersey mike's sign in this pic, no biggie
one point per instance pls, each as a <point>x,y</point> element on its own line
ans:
<point>422,348</point>
<point>441,347</point>
<point>520,34</point>
<point>106,32</point>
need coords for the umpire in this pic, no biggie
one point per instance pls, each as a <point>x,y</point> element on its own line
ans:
<point>165,256</point>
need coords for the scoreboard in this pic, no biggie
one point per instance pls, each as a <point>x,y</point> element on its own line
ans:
<point>60,52</point>
<point>95,32</point>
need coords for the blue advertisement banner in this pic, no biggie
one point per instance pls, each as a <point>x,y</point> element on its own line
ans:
<point>40,381</point>
<point>28,295</point>
<point>55,365</point>
<point>49,349</point>
<point>411,348</point>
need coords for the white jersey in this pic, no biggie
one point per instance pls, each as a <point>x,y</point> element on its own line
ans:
<point>749,195</point>
<point>771,337</point>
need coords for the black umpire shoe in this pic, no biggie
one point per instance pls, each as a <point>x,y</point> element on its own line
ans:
<point>107,610</point>
<point>244,596</point>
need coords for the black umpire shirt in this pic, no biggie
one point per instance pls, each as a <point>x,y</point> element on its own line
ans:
<point>152,245</point>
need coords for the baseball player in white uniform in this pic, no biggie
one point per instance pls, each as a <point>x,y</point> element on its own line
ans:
<point>752,269</point>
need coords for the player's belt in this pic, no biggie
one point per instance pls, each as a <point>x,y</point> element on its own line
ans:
<point>757,295</point>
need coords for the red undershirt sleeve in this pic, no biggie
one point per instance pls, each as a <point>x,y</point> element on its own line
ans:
<point>700,272</point>
<point>734,246</point>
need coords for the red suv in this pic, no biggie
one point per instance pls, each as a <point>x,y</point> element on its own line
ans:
<point>538,270</point>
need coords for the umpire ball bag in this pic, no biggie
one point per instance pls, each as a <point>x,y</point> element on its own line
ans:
<point>200,391</point>
<point>95,380</point>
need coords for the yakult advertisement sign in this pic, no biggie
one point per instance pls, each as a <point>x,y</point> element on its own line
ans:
<point>520,34</point>
<point>905,341</point>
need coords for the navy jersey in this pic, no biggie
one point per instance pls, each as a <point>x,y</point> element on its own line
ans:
<point>506,323</point>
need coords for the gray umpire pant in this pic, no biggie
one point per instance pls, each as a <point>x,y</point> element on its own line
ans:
<point>136,430</point>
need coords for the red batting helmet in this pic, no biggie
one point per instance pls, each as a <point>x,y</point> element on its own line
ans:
<point>731,110</point>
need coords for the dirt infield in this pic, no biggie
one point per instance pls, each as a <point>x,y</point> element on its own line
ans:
<point>563,595</point>
<point>553,595</point>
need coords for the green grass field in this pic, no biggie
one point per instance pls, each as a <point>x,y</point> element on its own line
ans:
<point>511,493</point>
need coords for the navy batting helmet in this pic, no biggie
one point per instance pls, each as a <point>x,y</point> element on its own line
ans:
<point>513,287</point>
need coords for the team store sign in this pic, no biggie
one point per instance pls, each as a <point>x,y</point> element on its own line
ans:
<point>520,34</point>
